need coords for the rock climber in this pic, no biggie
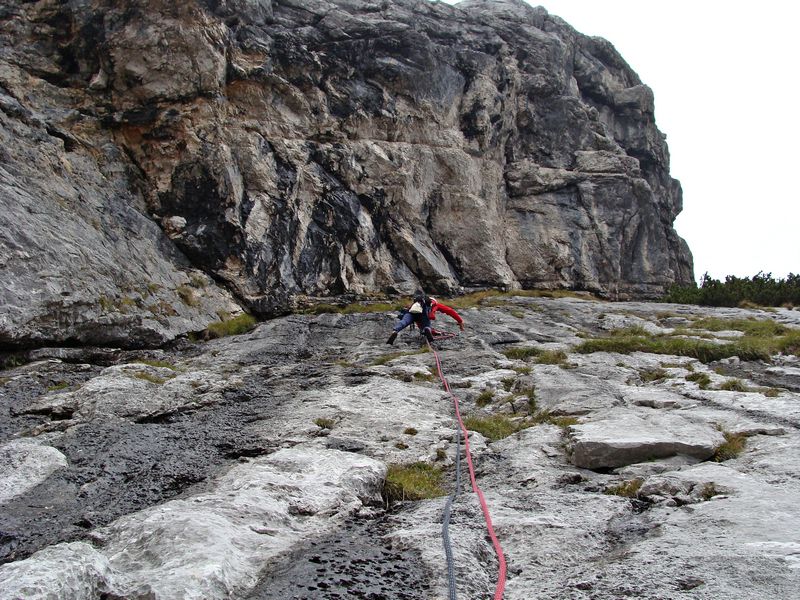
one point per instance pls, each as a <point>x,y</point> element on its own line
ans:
<point>421,312</point>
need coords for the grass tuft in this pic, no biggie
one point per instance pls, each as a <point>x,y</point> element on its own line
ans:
<point>324,422</point>
<point>552,357</point>
<point>650,375</point>
<point>235,326</point>
<point>58,386</point>
<point>521,353</point>
<point>752,327</point>
<point>187,296</point>
<point>734,385</point>
<point>732,447</point>
<point>709,491</point>
<point>484,398</point>
<point>416,481</point>
<point>626,489</point>
<point>701,379</point>
<point>748,347</point>
<point>544,416</point>
<point>494,427</point>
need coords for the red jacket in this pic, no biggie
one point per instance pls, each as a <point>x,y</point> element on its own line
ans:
<point>445,309</point>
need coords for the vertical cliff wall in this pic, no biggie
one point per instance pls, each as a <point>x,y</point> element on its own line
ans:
<point>159,160</point>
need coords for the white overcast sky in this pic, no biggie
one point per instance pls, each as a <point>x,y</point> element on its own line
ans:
<point>725,78</point>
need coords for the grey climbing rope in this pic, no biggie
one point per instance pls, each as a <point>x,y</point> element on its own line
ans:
<point>448,549</point>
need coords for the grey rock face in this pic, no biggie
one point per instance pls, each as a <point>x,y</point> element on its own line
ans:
<point>81,261</point>
<point>318,148</point>
<point>255,462</point>
<point>254,512</point>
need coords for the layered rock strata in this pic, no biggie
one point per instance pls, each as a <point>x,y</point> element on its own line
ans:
<point>289,149</point>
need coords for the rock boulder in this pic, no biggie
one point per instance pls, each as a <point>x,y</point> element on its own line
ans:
<point>624,437</point>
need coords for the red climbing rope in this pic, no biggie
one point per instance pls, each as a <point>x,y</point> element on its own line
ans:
<point>501,576</point>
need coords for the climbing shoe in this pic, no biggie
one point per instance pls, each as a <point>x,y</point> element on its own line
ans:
<point>428,335</point>
<point>392,338</point>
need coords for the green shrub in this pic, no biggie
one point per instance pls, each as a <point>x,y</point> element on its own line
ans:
<point>760,290</point>
<point>410,431</point>
<point>416,481</point>
<point>235,326</point>
<point>324,422</point>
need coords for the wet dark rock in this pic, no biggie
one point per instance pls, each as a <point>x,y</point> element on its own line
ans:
<point>358,562</point>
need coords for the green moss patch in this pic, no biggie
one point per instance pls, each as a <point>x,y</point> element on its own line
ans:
<point>150,377</point>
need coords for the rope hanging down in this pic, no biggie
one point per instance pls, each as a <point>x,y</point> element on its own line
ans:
<point>448,550</point>
<point>501,576</point>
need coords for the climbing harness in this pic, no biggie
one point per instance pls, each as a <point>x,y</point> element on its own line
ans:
<point>501,576</point>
